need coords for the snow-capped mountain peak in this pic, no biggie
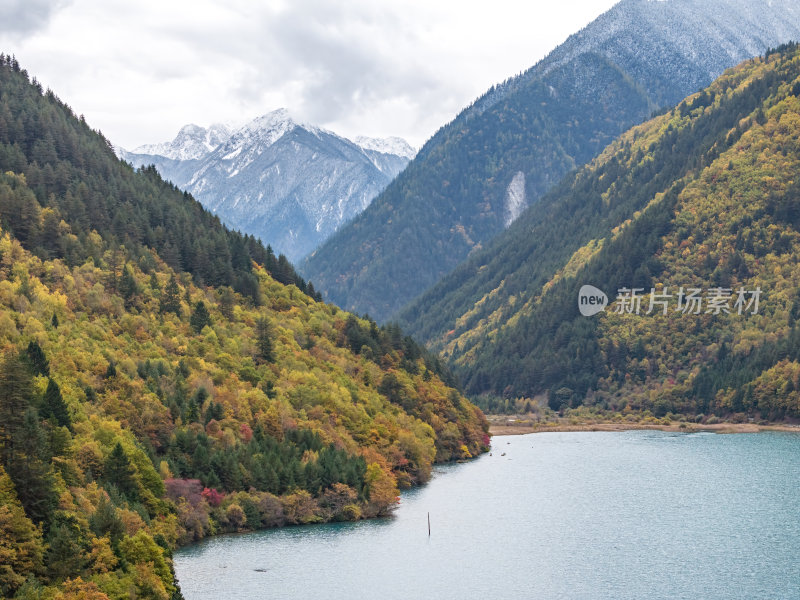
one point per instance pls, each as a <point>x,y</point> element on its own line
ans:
<point>388,145</point>
<point>290,183</point>
<point>266,129</point>
<point>245,145</point>
<point>257,135</point>
<point>192,142</point>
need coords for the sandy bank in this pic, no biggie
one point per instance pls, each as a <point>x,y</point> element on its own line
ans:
<point>502,426</point>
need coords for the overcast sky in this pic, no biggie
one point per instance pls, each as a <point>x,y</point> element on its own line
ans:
<point>139,70</point>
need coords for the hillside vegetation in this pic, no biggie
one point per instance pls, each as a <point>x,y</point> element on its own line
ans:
<point>517,141</point>
<point>163,378</point>
<point>704,196</point>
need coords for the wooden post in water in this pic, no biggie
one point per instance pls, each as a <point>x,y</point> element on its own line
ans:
<point>429,524</point>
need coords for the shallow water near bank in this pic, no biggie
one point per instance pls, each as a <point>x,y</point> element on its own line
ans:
<point>636,514</point>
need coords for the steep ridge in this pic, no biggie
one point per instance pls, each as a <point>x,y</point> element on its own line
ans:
<point>514,143</point>
<point>145,405</point>
<point>704,197</point>
<point>287,183</point>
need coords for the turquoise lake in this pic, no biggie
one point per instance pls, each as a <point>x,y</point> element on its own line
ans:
<point>628,515</point>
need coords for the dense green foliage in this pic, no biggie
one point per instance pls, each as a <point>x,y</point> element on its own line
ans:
<point>451,199</point>
<point>142,407</point>
<point>703,196</point>
<point>77,184</point>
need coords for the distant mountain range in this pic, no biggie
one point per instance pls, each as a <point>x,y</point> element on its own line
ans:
<point>288,183</point>
<point>477,174</point>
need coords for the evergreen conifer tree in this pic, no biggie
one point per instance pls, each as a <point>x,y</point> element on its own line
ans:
<point>263,340</point>
<point>16,394</point>
<point>54,407</point>
<point>120,472</point>
<point>128,288</point>
<point>200,317</point>
<point>37,358</point>
<point>171,298</point>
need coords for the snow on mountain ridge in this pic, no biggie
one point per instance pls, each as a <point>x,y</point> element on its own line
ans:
<point>267,129</point>
<point>724,32</point>
<point>388,145</point>
<point>196,142</point>
<point>290,183</point>
<point>192,142</point>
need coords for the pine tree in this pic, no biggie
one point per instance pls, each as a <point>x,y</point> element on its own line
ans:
<point>54,407</point>
<point>120,472</point>
<point>171,298</point>
<point>106,521</point>
<point>16,395</point>
<point>37,359</point>
<point>128,287</point>
<point>200,317</point>
<point>66,553</point>
<point>155,286</point>
<point>214,411</point>
<point>192,412</point>
<point>111,370</point>
<point>226,302</point>
<point>30,470</point>
<point>263,340</point>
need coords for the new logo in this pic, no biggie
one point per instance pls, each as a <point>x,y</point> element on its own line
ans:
<point>591,300</point>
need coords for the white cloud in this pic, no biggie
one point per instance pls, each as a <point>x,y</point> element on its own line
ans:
<point>140,70</point>
<point>19,18</point>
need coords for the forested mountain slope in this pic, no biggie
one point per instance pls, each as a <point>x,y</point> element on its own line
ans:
<point>705,196</point>
<point>158,383</point>
<point>515,142</point>
<point>75,174</point>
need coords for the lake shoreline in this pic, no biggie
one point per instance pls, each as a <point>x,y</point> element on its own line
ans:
<point>498,428</point>
<point>609,510</point>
